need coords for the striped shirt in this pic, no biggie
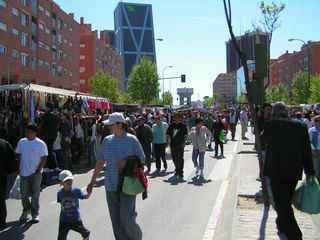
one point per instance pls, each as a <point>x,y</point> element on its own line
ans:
<point>115,149</point>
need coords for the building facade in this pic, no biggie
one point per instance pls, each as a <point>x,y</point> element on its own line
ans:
<point>134,34</point>
<point>225,87</point>
<point>97,55</point>
<point>284,68</point>
<point>247,45</point>
<point>39,43</point>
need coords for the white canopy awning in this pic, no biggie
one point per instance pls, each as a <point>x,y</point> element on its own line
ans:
<point>46,89</point>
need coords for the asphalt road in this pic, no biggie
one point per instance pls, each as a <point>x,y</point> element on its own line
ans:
<point>188,210</point>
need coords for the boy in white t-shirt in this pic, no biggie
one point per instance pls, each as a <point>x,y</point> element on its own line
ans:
<point>32,153</point>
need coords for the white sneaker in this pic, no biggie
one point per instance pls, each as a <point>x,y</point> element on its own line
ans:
<point>197,171</point>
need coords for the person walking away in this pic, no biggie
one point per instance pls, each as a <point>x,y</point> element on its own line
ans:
<point>66,136</point>
<point>233,120</point>
<point>159,130</point>
<point>177,133</point>
<point>200,135</point>
<point>8,165</point>
<point>314,134</point>
<point>217,128</point>
<point>78,141</point>
<point>92,143</point>
<point>244,123</point>
<point>49,126</point>
<point>288,152</point>
<point>116,149</point>
<point>32,153</point>
<point>68,197</point>
<point>145,136</point>
<point>57,152</point>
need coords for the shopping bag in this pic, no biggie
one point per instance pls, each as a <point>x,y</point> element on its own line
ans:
<point>15,192</point>
<point>222,136</point>
<point>132,186</point>
<point>307,196</point>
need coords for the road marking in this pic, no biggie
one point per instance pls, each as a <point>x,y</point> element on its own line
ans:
<point>217,208</point>
<point>216,211</point>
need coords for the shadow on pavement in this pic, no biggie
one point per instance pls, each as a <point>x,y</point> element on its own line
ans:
<point>174,181</point>
<point>156,174</point>
<point>15,231</point>
<point>199,181</point>
<point>264,221</point>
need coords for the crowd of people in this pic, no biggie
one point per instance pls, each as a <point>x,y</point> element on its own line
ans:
<point>58,140</point>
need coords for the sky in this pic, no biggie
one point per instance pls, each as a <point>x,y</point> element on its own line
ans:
<point>195,32</point>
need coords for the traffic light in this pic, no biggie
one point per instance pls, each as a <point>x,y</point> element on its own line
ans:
<point>183,78</point>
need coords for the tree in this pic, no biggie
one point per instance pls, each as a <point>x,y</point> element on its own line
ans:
<point>143,85</point>
<point>270,22</point>
<point>125,98</point>
<point>277,93</point>
<point>208,101</point>
<point>167,98</point>
<point>315,90</point>
<point>104,85</point>
<point>300,88</point>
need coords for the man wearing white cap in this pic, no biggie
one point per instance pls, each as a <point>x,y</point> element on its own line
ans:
<point>115,150</point>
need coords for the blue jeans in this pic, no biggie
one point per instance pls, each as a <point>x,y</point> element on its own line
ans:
<point>122,209</point>
<point>196,154</point>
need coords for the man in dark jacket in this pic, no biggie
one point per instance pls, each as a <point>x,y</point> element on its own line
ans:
<point>8,165</point>
<point>288,152</point>
<point>177,133</point>
<point>145,136</point>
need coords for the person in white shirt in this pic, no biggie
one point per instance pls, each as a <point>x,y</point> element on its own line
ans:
<point>32,153</point>
<point>200,136</point>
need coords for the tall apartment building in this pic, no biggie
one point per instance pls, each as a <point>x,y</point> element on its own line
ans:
<point>284,68</point>
<point>247,45</point>
<point>97,55</point>
<point>39,43</point>
<point>134,34</point>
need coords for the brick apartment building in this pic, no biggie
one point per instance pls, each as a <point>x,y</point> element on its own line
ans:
<point>225,87</point>
<point>97,54</point>
<point>284,68</point>
<point>39,43</point>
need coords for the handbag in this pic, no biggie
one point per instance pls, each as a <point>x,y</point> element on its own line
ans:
<point>132,186</point>
<point>307,196</point>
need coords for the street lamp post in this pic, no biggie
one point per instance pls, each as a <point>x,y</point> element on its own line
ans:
<point>309,57</point>
<point>163,76</point>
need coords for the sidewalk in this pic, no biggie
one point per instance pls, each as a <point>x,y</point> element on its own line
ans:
<point>251,219</point>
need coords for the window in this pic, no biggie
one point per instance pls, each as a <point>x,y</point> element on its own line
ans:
<point>65,41</point>
<point>24,19</point>
<point>70,74</point>
<point>53,69</point>
<point>82,45</point>
<point>15,12</point>
<point>3,26</point>
<point>59,38</point>
<point>14,54</point>
<point>3,3</point>
<point>15,32</point>
<point>24,39</point>
<point>82,69</point>
<point>24,2</point>
<point>40,63</point>
<point>34,63</point>
<point>3,50</point>
<point>59,24</point>
<point>65,25</point>
<point>70,44</point>
<point>47,30</point>
<point>41,9</point>
<point>24,59</point>
<point>47,13</point>
<point>41,26</point>
<point>82,81</point>
<point>82,57</point>
<point>46,65</point>
<point>70,29</point>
